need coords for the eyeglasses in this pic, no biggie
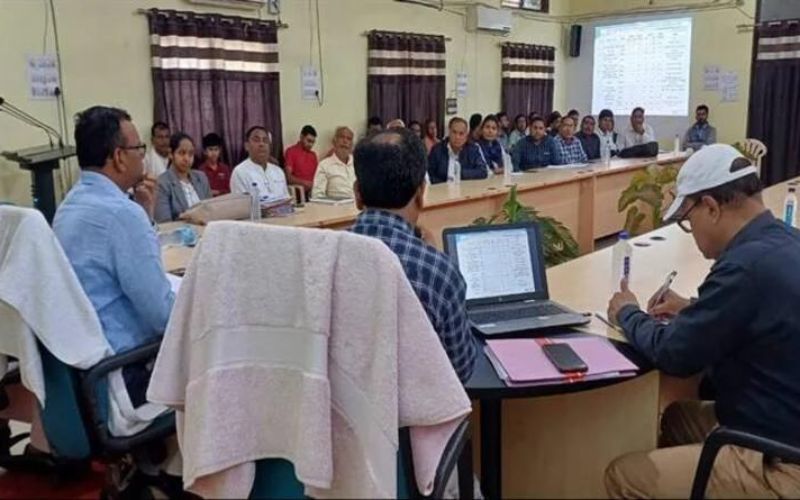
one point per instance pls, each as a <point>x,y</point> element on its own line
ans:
<point>142,148</point>
<point>683,222</point>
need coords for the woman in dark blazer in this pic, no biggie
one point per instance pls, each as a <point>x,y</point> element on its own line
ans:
<point>180,187</point>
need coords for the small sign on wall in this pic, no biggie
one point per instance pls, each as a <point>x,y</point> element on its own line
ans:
<point>42,76</point>
<point>451,106</point>
<point>309,83</point>
<point>461,84</point>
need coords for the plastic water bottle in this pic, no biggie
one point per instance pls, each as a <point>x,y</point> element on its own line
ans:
<point>677,148</point>
<point>255,203</point>
<point>790,208</point>
<point>621,260</point>
<point>605,153</point>
<point>456,172</point>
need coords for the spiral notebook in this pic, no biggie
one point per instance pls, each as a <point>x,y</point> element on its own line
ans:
<point>522,361</point>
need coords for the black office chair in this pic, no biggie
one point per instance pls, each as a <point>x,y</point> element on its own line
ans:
<point>725,436</point>
<point>75,422</point>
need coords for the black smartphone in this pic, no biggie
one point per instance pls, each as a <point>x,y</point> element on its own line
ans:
<point>564,358</point>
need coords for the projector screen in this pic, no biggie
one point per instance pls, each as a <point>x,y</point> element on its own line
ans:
<point>643,64</point>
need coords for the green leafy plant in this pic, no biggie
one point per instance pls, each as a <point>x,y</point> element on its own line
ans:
<point>559,245</point>
<point>646,192</point>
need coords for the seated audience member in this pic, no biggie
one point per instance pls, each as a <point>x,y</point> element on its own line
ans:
<point>335,174</point>
<point>217,172</point>
<point>701,133</point>
<point>415,127</point>
<point>256,168</point>
<point>180,188</point>
<point>390,189</point>
<point>300,159</point>
<point>475,131</point>
<point>456,150</point>
<point>536,150</point>
<point>741,332</point>
<point>638,132</point>
<point>589,140</point>
<point>396,123</point>
<point>553,123</point>
<point>519,132</point>
<point>157,158</point>
<point>504,128</point>
<point>374,124</point>
<point>575,115</point>
<point>109,238</point>
<point>608,138</point>
<point>490,148</point>
<point>570,150</point>
<point>431,134</point>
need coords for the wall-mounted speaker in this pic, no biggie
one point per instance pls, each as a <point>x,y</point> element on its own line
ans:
<point>575,40</point>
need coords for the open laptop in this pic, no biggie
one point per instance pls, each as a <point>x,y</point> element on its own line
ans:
<point>503,266</point>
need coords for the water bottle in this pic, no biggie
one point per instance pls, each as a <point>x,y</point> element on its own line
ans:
<point>456,172</point>
<point>621,260</point>
<point>605,153</point>
<point>677,148</point>
<point>255,203</point>
<point>790,209</point>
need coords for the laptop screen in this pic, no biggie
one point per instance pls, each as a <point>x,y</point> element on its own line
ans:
<point>498,262</point>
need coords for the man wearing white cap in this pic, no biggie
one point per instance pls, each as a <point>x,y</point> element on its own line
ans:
<point>742,332</point>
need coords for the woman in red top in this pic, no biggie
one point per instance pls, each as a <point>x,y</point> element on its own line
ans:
<point>219,174</point>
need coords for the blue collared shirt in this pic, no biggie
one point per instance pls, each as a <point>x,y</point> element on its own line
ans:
<point>114,250</point>
<point>435,279</point>
<point>570,152</point>
<point>530,154</point>
<point>743,330</point>
<point>699,135</point>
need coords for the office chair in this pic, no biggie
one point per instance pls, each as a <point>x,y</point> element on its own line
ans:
<point>725,436</point>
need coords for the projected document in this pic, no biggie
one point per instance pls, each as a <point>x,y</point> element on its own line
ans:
<point>495,263</point>
<point>643,64</point>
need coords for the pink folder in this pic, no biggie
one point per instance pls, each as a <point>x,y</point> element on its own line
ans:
<point>522,361</point>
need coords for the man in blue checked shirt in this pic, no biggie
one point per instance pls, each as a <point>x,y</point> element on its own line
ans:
<point>569,147</point>
<point>389,191</point>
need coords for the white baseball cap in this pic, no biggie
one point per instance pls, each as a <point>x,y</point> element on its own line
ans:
<point>708,168</point>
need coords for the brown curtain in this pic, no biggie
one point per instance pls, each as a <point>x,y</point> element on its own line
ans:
<point>528,77</point>
<point>775,99</point>
<point>406,77</point>
<point>218,74</point>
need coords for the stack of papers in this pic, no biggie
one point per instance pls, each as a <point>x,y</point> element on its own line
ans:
<point>521,362</point>
<point>332,201</point>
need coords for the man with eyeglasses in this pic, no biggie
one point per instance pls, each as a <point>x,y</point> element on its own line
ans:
<point>108,235</point>
<point>742,333</point>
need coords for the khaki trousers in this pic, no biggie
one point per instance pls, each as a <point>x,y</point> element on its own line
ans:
<point>668,472</point>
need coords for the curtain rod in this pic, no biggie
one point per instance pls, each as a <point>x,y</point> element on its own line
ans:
<point>446,39</point>
<point>281,25</point>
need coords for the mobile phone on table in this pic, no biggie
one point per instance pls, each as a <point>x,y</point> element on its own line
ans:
<point>564,358</point>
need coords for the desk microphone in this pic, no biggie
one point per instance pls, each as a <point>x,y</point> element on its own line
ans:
<point>28,119</point>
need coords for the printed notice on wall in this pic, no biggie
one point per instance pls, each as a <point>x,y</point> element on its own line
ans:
<point>42,76</point>
<point>309,83</point>
<point>461,84</point>
<point>729,86</point>
<point>711,78</point>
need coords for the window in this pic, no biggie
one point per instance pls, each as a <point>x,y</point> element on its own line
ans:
<point>533,5</point>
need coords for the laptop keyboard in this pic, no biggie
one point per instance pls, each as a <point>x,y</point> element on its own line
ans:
<point>530,311</point>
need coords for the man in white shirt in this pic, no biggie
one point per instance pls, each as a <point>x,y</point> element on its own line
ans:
<point>335,174</point>
<point>638,132</point>
<point>268,178</point>
<point>157,158</point>
<point>608,138</point>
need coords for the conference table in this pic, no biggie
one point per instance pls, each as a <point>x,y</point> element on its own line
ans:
<point>557,444</point>
<point>584,198</point>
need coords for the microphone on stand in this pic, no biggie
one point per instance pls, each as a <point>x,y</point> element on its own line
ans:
<point>24,117</point>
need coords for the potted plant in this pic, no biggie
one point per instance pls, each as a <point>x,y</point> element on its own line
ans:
<point>645,196</point>
<point>559,245</point>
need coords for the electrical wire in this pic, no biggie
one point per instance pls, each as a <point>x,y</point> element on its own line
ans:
<point>46,24</point>
<point>321,94</point>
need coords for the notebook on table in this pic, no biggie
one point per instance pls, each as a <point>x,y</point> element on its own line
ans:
<point>521,362</point>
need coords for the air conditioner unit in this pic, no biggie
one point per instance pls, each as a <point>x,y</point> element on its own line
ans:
<point>235,4</point>
<point>482,18</point>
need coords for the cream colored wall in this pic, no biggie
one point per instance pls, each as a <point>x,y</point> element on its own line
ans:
<point>715,41</point>
<point>105,57</point>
